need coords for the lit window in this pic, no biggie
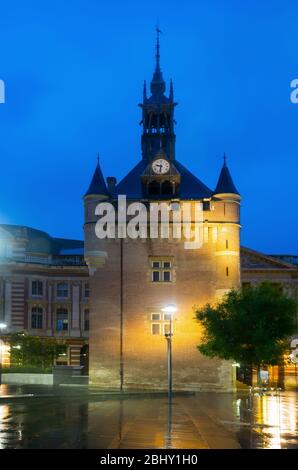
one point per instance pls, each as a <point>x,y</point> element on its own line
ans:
<point>62,319</point>
<point>86,319</point>
<point>37,288</point>
<point>155,328</point>
<point>161,271</point>
<point>36,318</point>
<point>62,289</point>
<point>160,323</point>
<point>155,316</point>
<point>167,316</point>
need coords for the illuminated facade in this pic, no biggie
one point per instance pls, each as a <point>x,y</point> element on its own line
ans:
<point>132,280</point>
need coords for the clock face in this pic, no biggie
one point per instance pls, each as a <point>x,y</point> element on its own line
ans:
<point>160,166</point>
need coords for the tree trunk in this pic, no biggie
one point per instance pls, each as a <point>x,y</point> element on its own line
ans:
<point>259,381</point>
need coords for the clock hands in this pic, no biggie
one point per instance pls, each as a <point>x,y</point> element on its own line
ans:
<point>160,167</point>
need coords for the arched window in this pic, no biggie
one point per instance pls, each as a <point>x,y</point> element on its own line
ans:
<point>154,188</point>
<point>36,318</point>
<point>167,188</point>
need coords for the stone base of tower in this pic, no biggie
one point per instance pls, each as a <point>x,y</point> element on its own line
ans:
<point>198,375</point>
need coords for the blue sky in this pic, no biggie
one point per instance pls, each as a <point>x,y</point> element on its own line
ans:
<point>74,72</point>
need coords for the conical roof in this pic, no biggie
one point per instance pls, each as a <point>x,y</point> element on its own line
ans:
<point>225,182</point>
<point>98,185</point>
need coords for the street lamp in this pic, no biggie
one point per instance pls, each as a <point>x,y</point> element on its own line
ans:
<point>170,310</point>
<point>2,327</point>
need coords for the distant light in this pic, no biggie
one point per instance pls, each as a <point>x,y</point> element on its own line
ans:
<point>18,346</point>
<point>235,364</point>
<point>3,326</point>
<point>171,308</point>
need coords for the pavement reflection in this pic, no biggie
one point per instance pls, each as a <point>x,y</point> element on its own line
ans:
<point>202,421</point>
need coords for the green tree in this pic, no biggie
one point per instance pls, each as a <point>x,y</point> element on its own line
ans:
<point>34,351</point>
<point>251,326</point>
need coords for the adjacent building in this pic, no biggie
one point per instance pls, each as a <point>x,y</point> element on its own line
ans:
<point>44,289</point>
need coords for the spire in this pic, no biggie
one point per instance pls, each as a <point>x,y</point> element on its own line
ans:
<point>158,31</point>
<point>97,185</point>
<point>145,91</point>
<point>158,85</point>
<point>225,183</point>
<point>171,95</point>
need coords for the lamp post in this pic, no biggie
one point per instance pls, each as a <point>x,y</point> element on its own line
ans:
<point>2,327</point>
<point>170,310</point>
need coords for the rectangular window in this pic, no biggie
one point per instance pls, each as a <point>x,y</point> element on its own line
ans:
<point>206,205</point>
<point>155,316</point>
<point>155,328</point>
<point>167,316</point>
<point>161,323</point>
<point>62,319</point>
<point>62,289</point>
<point>37,288</point>
<point>86,290</point>
<point>86,319</point>
<point>227,244</point>
<point>227,271</point>
<point>161,271</point>
<point>36,318</point>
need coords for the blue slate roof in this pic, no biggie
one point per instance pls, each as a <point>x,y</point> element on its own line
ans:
<point>190,186</point>
<point>131,184</point>
<point>98,184</point>
<point>225,183</point>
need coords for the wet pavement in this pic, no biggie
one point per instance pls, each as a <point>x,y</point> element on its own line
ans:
<point>70,418</point>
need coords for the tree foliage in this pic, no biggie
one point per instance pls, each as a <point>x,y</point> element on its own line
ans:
<point>29,350</point>
<point>251,326</point>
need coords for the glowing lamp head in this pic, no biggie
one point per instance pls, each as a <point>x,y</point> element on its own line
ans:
<point>169,309</point>
<point>3,326</point>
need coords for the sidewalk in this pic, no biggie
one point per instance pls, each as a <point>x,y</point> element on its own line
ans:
<point>20,392</point>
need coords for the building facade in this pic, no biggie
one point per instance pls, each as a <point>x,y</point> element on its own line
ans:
<point>133,280</point>
<point>44,289</point>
